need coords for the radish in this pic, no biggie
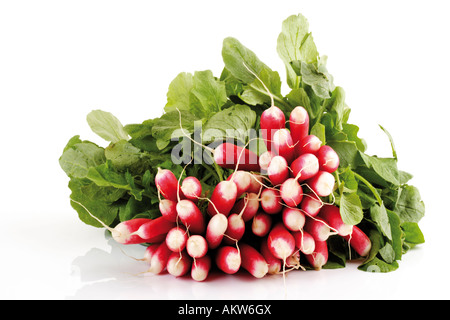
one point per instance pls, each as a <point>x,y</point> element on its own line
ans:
<point>196,246</point>
<point>293,219</point>
<point>191,216</point>
<point>150,251</point>
<point>176,239</point>
<point>322,183</point>
<point>242,180</point>
<point>283,145</point>
<point>262,222</point>
<point>311,204</point>
<point>293,261</point>
<point>291,192</point>
<point>200,268</point>
<point>274,264</point>
<point>159,259</point>
<point>332,216</point>
<point>247,207</point>
<point>125,231</point>
<point>154,228</point>
<point>215,230</point>
<point>278,170</point>
<point>264,160</point>
<point>304,241</point>
<point>271,201</point>
<point>328,159</point>
<point>309,144</point>
<point>299,124</point>
<point>281,242</point>
<point>178,264</point>
<point>167,184</point>
<point>319,257</point>
<point>256,183</point>
<point>359,241</point>
<point>272,119</point>
<point>317,228</point>
<point>253,261</point>
<point>168,209</point>
<point>230,156</point>
<point>223,198</point>
<point>235,230</point>
<point>191,188</point>
<point>228,259</point>
<point>305,166</point>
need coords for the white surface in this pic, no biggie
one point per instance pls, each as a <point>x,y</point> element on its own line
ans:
<point>60,59</point>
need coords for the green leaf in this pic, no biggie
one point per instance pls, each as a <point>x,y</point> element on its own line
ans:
<point>336,107</point>
<point>397,234</point>
<point>79,157</point>
<point>124,156</point>
<point>394,152</point>
<point>351,208</point>
<point>255,93</point>
<point>385,168</point>
<point>106,126</point>
<point>347,152</point>
<point>410,206</point>
<point>412,232</point>
<point>321,82</point>
<point>179,92</point>
<point>299,97</point>
<point>380,217</point>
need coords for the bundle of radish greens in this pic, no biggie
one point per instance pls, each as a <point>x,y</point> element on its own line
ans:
<point>237,176</point>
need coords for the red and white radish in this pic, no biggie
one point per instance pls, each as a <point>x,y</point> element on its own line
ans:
<point>298,124</point>
<point>305,166</point>
<point>150,251</point>
<point>228,259</point>
<point>283,145</point>
<point>359,241</point>
<point>196,246</point>
<point>274,264</point>
<point>242,180</point>
<point>328,159</point>
<point>272,119</point>
<point>309,144</point>
<point>191,216</point>
<point>291,192</point>
<point>247,207</point>
<point>293,219</point>
<point>264,160</point>
<point>262,222</point>
<point>168,209</point>
<point>230,156</point>
<point>253,261</point>
<point>270,201</point>
<point>319,257</point>
<point>200,268</point>
<point>179,264</point>
<point>159,259</point>
<point>154,228</point>
<point>293,261</point>
<point>167,184</point>
<point>176,238</point>
<point>191,188</point>
<point>215,230</point>
<point>280,242</point>
<point>125,231</point>
<point>223,198</point>
<point>304,241</point>
<point>235,230</point>
<point>311,204</point>
<point>317,228</point>
<point>278,170</point>
<point>332,216</point>
<point>322,183</point>
<point>256,183</point>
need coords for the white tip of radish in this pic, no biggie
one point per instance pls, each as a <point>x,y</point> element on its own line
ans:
<point>121,233</point>
<point>345,230</point>
<point>283,249</point>
<point>228,190</point>
<point>274,112</point>
<point>299,115</point>
<point>233,261</point>
<point>261,269</point>
<point>199,274</point>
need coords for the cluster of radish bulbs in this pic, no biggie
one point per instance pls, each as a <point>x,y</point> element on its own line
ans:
<point>261,219</point>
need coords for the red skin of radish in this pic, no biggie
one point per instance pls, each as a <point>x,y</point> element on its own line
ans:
<point>291,192</point>
<point>179,264</point>
<point>328,159</point>
<point>320,255</point>
<point>262,222</point>
<point>317,228</point>
<point>359,241</point>
<point>242,180</point>
<point>200,268</point>
<point>311,204</point>
<point>150,251</point>
<point>293,219</point>
<point>191,188</point>
<point>309,144</point>
<point>255,184</point>
<point>154,228</point>
<point>215,230</point>
<point>124,232</point>
<point>305,167</point>
<point>272,119</point>
<point>271,201</point>
<point>159,259</point>
<point>229,156</point>
<point>168,209</point>
<point>167,184</point>
<point>322,183</point>
<point>247,207</point>
<point>228,259</point>
<point>332,216</point>
<point>264,160</point>
<point>223,198</point>
<point>191,216</point>
<point>176,239</point>
<point>278,170</point>
<point>253,261</point>
<point>283,144</point>
<point>304,241</point>
<point>299,124</point>
<point>273,262</point>
<point>281,242</point>
<point>235,230</point>
<point>196,246</point>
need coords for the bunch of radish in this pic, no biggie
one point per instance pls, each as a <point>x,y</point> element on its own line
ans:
<point>262,218</point>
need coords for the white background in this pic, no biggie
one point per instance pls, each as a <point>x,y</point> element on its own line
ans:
<point>61,59</point>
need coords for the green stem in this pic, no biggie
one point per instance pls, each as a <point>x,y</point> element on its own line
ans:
<point>218,171</point>
<point>370,186</point>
